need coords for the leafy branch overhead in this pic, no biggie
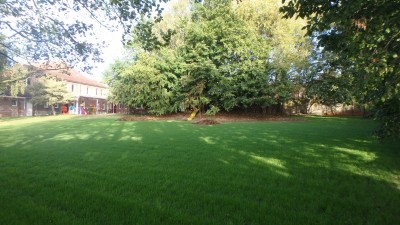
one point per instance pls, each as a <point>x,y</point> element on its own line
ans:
<point>366,34</point>
<point>34,30</point>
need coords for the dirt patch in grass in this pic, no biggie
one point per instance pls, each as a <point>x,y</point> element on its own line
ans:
<point>206,122</point>
<point>217,119</point>
<point>247,117</point>
<point>176,116</point>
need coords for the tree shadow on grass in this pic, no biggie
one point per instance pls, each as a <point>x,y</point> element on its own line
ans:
<point>110,172</point>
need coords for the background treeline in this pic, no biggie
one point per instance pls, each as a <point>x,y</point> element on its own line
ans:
<point>218,55</point>
<point>263,55</point>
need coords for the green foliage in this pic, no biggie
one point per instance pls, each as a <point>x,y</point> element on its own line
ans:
<point>3,55</point>
<point>220,55</point>
<point>388,112</point>
<point>13,80</point>
<point>212,111</point>
<point>366,35</point>
<point>330,89</point>
<point>49,90</point>
<point>149,82</point>
<point>143,35</point>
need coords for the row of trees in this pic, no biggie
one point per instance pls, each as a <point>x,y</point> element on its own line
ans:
<point>223,55</point>
<point>214,55</point>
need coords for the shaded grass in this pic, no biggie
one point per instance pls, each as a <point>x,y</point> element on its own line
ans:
<point>96,170</point>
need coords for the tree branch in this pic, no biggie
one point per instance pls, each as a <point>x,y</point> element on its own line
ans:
<point>8,57</point>
<point>391,39</point>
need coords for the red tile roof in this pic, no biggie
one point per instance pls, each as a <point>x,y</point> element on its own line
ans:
<point>63,72</point>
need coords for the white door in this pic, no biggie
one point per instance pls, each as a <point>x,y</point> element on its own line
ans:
<point>29,108</point>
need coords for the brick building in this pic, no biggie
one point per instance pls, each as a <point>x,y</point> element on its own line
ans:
<point>90,95</point>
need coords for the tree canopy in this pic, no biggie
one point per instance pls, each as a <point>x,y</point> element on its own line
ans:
<point>215,55</point>
<point>50,91</point>
<point>366,36</point>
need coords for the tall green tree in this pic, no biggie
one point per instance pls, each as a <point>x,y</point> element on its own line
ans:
<point>284,47</point>
<point>150,81</point>
<point>220,58</point>
<point>207,45</point>
<point>367,36</point>
<point>322,81</point>
<point>51,91</point>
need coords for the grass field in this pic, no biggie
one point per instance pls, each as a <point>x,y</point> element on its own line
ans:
<point>96,170</point>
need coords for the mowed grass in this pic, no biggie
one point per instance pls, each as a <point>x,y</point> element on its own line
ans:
<point>96,170</point>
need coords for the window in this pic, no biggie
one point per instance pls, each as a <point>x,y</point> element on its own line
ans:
<point>56,106</point>
<point>46,105</point>
<point>96,91</point>
<point>28,81</point>
<point>101,92</point>
<point>119,106</point>
<point>87,90</point>
<point>72,88</point>
<point>104,106</point>
<point>14,102</point>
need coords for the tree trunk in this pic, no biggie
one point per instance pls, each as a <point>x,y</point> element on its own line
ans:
<point>364,111</point>
<point>53,110</point>
<point>200,108</point>
<point>264,109</point>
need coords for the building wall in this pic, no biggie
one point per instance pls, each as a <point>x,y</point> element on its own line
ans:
<point>94,99</point>
<point>86,90</point>
<point>8,109</point>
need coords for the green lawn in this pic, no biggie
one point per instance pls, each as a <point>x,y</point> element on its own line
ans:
<point>96,170</point>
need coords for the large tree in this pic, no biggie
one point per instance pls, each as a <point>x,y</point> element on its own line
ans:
<point>214,55</point>
<point>366,34</point>
<point>284,47</point>
<point>151,82</point>
<point>50,91</point>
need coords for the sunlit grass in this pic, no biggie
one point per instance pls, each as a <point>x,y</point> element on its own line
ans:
<point>96,170</point>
